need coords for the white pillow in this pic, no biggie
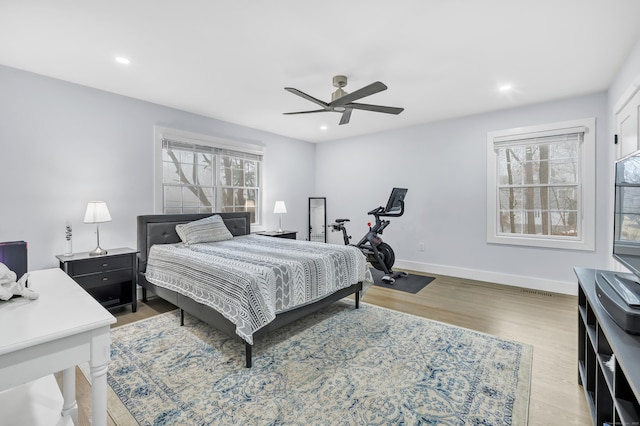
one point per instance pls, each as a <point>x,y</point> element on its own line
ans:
<point>207,230</point>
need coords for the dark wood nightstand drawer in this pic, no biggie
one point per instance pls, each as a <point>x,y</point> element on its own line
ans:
<point>103,278</point>
<point>98,265</point>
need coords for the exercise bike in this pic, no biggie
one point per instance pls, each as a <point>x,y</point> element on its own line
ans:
<point>378,253</point>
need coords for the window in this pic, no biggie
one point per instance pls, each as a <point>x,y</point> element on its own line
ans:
<point>541,186</point>
<point>199,174</point>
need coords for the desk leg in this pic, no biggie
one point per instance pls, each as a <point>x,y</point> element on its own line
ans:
<point>70,405</point>
<point>100,355</point>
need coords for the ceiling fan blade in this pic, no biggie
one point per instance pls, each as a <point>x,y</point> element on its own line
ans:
<point>346,115</point>
<point>306,112</point>
<point>376,108</point>
<point>360,93</point>
<point>307,97</point>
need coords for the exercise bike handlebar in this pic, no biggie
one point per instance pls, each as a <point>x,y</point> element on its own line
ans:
<point>380,211</point>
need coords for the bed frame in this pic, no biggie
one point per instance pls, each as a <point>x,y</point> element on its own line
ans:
<point>161,229</point>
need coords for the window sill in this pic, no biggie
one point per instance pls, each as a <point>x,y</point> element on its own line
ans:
<point>520,240</point>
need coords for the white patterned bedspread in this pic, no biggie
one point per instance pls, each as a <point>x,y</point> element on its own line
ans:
<point>251,278</point>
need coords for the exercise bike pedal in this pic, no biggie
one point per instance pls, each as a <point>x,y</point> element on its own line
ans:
<point>388,280</point>
<point>391,278</point>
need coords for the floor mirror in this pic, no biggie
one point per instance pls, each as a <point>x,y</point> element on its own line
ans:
<point>318,219</point>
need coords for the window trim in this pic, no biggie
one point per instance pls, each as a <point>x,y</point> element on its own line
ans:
<point>587,194</point>
<point>161,133</point>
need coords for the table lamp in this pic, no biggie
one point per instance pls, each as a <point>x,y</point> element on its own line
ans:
<point>280,208</point>
<point>97,212</point>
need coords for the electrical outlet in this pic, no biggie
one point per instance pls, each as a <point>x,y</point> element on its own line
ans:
<point>420,246</point>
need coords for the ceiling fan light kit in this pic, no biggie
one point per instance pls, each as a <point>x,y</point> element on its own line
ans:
<point>342,101</point>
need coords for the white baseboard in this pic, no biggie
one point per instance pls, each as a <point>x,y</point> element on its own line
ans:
<point>541,284</point>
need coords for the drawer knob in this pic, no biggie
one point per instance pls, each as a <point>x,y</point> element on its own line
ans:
<point>105,279</point>
<point>104,265</point>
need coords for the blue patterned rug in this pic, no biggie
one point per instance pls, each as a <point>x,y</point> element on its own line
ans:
<point>370,366</point>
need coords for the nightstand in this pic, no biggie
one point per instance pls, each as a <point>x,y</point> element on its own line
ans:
<point>111,278</point>
<point>284,234</point>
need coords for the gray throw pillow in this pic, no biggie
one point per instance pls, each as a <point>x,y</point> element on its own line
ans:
<point>207,230</point>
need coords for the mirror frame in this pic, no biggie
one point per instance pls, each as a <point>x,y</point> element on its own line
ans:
<point>324,202</point>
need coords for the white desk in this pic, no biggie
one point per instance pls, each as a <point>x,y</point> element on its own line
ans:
<point>64,327</point>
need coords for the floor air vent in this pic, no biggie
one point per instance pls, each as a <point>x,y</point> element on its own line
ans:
<point>537,292</point>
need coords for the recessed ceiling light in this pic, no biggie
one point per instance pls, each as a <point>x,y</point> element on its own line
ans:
<point>122,60</point>
<point>505,88</point>
<point>323,127</point>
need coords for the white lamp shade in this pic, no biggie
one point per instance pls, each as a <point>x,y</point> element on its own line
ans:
<point>280,207</point>
<point>97,212</point>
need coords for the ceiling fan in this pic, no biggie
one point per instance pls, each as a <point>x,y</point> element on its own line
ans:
<point>342,101</point>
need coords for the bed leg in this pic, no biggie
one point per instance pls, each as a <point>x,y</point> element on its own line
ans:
<point>144,295</point>
<point>181,317</point>
<point>357,293</point>
<point>247,353</point>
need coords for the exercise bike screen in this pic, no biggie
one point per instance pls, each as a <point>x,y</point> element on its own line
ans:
<point>395,199</point>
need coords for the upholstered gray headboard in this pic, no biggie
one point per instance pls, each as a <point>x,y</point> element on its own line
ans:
<point>161,229</point>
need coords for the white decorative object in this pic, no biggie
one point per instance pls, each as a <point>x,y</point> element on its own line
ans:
<point>68,234</point>
<point>9,287</point>
<point>97,212</point>
<point>611,364</point>
<point>280,208</point>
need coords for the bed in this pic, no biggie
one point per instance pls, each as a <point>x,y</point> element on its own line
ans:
<point>160,231</point>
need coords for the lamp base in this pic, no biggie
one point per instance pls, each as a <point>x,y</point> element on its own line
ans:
<point>98,251</point>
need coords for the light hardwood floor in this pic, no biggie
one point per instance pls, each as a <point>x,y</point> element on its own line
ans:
<point>547,321</point>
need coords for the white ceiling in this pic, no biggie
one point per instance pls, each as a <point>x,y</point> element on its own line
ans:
<point>231,59</point>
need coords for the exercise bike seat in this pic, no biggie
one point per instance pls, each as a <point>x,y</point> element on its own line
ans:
<point>342,220</point>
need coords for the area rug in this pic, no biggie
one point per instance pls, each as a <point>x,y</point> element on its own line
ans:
<point>410,284</point>
<point>368,366</point>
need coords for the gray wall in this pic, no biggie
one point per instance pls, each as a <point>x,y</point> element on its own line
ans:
<point>444,166</point>
<point>62,145</point>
